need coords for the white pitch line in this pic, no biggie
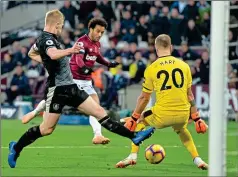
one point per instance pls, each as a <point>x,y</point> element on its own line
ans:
<point>59,147</point>
<point>232,153</point>
<point>83,147</point>
<point>232,134</point>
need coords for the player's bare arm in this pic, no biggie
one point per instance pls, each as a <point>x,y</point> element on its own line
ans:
<point>34,54</point>
<point>192,101</point>
<point>201,126</point>
<point>142,102</point>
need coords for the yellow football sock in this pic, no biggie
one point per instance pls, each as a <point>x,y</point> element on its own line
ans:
<point>187,141</point>
<point>140,126</point>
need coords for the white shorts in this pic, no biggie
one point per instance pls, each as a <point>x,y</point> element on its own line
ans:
<point>86,85</point>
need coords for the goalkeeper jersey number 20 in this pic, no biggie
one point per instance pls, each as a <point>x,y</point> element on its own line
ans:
<point>170,78</point>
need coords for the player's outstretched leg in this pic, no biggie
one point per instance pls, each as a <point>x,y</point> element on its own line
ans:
<point>31,115</point>
<point>132,158</point>
<point>187,141</point>
<point>136,137</point>
<point>90,107</point>
<point>32,134</point>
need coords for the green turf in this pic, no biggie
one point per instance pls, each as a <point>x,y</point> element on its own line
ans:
<point>69,152</point>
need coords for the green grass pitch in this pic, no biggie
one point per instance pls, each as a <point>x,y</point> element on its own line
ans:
<point>69,152</point>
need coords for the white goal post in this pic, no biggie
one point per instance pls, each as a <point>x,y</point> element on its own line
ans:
<point>218,87</point>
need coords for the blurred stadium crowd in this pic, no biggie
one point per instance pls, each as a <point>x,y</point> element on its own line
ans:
<point>129,40</point>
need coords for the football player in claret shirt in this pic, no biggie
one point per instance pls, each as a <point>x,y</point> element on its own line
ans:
<point>81,67</point>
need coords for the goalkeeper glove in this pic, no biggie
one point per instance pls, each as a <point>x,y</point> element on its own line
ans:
<point>200,125</point>
<point>132,122</point>
<point>113,64</point>
<point>86,70</point>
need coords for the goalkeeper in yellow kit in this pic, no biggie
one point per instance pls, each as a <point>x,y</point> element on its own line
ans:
<point>171,79</point>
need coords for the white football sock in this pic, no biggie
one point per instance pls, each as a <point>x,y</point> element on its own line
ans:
<point>97,128</point>
<point>40,107</point>
<point>133,156</point>
<point>197,160</point>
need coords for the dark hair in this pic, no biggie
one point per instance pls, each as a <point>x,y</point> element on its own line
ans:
<point>97,21</point>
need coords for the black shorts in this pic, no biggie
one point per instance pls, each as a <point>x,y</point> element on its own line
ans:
<point>60,96</point>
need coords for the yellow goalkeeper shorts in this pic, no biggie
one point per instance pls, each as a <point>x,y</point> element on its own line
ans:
<point>162,120</point>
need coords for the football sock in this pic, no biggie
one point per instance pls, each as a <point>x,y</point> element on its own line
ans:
<point>27,138</point>
<point>197,160</point>
<point>140,126</point>
<point>40,107</point>
<point>187,141</point>
<point>97,128</point>
<point>134,148</point>
<point>133,156</point>
<point>116,127</point>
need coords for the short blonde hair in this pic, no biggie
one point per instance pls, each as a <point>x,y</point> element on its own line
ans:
<point>163,41</point>
<point>53,16</point>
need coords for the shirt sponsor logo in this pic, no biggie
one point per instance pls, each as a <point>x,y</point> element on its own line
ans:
<point>92,58</point>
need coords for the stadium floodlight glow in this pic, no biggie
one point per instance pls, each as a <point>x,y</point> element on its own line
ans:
<point>218,88</point>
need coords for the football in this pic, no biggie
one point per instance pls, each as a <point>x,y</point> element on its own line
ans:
<point>154,154</point>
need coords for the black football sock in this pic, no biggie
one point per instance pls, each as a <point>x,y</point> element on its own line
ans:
<point>116,127</point>
<point>27,138</point>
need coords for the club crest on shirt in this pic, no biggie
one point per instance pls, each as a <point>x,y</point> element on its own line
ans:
<point>56,106</point>
<point>49,42</point>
